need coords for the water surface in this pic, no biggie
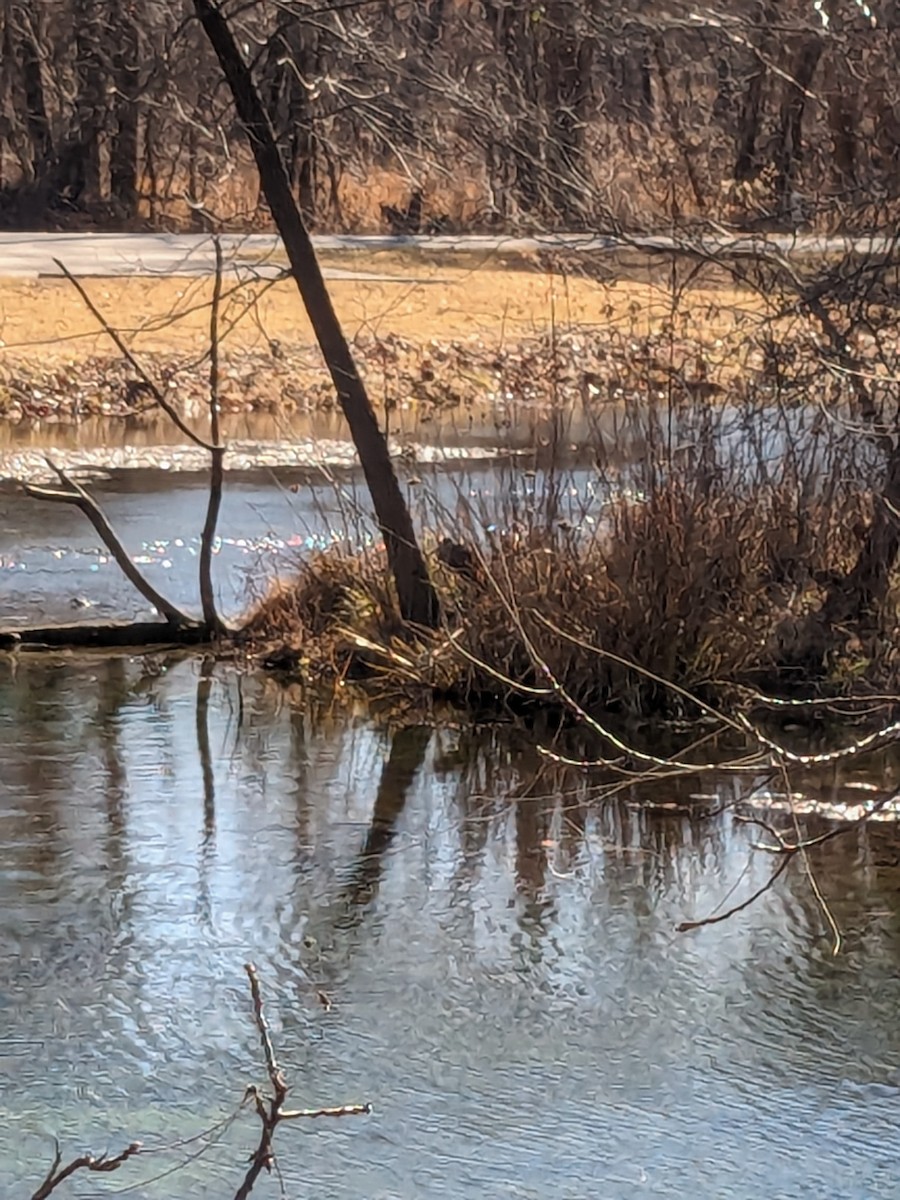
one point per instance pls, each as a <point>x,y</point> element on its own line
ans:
<point>504,981</point>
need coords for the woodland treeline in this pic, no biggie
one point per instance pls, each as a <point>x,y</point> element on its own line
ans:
<point>499,112</point>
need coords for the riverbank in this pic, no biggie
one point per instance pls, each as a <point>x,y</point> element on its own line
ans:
<point>696,548</point>
<point>446,337</point>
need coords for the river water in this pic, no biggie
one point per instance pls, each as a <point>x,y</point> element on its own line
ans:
<point>445,928</point>
<point>53,567</point>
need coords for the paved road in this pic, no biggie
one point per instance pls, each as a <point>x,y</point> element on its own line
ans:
<point>104,254</point>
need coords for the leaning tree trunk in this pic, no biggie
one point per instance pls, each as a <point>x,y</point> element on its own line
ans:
<point>418,600</point>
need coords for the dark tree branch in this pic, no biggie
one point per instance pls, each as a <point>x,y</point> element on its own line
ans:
<point>418,599</point>
<point>85,1162</point>
<point>75,494</point>
<point>211,616</point>
<point>684,926</point>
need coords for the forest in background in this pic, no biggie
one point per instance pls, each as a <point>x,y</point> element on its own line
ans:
<point>457,114</point>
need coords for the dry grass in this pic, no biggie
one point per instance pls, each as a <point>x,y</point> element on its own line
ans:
<point>699,577</point>
<point>443,302</point>
<point>449,335</point>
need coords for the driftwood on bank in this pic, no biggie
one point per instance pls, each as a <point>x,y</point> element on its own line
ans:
<point>109,635</point>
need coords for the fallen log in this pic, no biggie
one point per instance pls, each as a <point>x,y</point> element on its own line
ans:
<point>112,634</point>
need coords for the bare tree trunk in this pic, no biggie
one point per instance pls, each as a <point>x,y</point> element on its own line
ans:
<point>418,600</point>
<point>750,118</point>
<point>789,148</point>
<point>124,146</point>
<point>295,51</point>
<point>36,118</point>
<point>569,56</point>
<point>749,122</point>
<point>211,616</point>
<point>861,594</point>
<point>673,113</point>
<point>80,170</point>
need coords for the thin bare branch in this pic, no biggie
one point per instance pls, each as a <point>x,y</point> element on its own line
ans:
<point>84,1162</point>
<point>270,1110</point>
<point>343,1110</point>
<point>684,926</point>
<point>133,362</point>
<point>75,494</point>
<point>276,1078</point>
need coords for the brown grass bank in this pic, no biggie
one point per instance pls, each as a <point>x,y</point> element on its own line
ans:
<point>444,335</point>
<point>701,572</point>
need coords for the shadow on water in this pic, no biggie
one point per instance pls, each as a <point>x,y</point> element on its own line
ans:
<point>497,950</point>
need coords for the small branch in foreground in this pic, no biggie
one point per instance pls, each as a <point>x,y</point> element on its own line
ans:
<point>684,926</point>
<point>74,493</point>
<point>85,1162</point>
<point>271,1110</point>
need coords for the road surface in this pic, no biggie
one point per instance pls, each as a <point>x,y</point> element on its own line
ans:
<point>109,254</point>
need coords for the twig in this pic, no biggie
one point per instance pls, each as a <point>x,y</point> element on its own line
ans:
<point>835,832</point>
<point>155,391</point>
<point>276,1078</point>
<point>684,926</point>
<point>270,1110</point>
<point>342,1110</point>
<point>75,494</point>
<point>877,738</point>
<point>85,1162</point>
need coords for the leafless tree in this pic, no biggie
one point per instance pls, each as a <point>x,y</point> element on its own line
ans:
<point>570,113</point>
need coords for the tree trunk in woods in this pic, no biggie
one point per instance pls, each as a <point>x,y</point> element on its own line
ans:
<point>418,600</point>
<point>80,182</point>
<point>860,596</point>
<point>125,145</point>
<point>36,119</point>
<point>789,146</point>
<point>856,600</point>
